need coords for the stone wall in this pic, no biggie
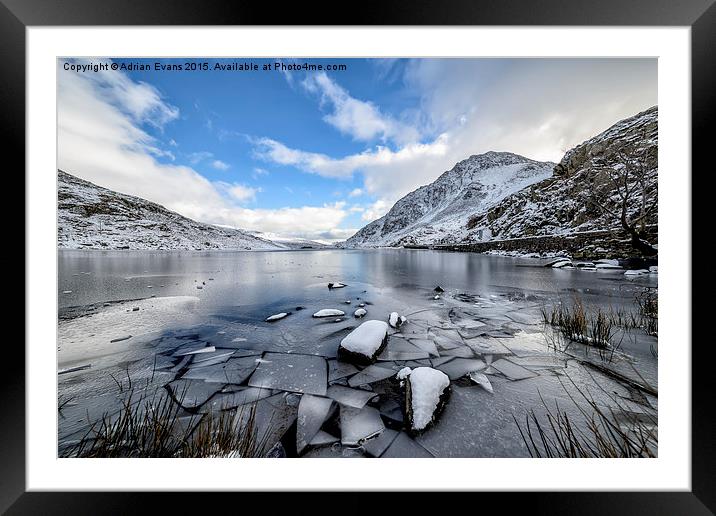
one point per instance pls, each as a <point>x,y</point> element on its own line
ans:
<point>587,245</point>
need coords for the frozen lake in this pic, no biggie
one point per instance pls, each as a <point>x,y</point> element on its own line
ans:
<point>145,315</point>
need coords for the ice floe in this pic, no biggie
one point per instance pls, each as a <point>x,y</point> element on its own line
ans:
<point>461,366</point>
<point>356,398</point>
<point>312,413</point>
<point>277,317</point>
<point>482,380</point>
<point>357,425</point>
<point>291,372</point>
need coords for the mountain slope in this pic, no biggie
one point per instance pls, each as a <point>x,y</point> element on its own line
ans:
<point>563,203</point>
<point>92,217</point>
<point>440,210</point>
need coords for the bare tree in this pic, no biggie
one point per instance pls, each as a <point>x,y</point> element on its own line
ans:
<point>631,196</point>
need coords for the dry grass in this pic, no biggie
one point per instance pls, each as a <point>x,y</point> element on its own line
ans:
<point>577,325</point>
<point>605,433</point>
<point>156,427</point>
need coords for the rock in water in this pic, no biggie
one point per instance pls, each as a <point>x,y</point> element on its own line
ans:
<point>329,312</point>
<point>335,285</point>
<point>426,393</point>
<point>276,317</point>
<point>396,321</point>
<point>365,343</point>
<point>360,313</point>
<point>439,289</point>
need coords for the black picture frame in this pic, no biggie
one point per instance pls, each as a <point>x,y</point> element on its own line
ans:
<point>700,15</point>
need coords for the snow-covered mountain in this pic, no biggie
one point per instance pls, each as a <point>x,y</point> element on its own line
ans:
<point>290,242</point>
<point>92,217</point>
<point>498,195</point>
<point>563,203</point>
<point>440,211</point>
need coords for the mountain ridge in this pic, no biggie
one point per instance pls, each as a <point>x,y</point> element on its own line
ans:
<point>450,199</point>
<point>557,201</point>
<point>90,216</point>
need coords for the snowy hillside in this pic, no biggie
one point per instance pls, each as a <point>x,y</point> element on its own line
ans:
<point>92,217</point>
<point>563,203</point>
<point>441,210</point>
<point>289,242</point>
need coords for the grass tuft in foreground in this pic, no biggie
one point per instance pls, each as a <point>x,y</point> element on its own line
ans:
<point>156,426</point>
<point>614,432</point>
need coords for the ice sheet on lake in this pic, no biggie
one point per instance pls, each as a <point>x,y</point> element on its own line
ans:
<point>441,360</point>
<point>462,351</point>
<point>194,349</point>
<point>236,398</point>
<point>376,446</point>
<point>191,394</point>
<point>370,374</point>
<point>461,366</point>
<point>359,424</point>
<point>338,370</point>
<point>208,359</point>
<point>312,413</point>
<point>487,346</point>
<point>356,398</point>
<point>323,438</point>
<point>511,370</point>
<point>425,345</point>
<point>291,372</point>
<point>235,371</point>
<point>404,447</point>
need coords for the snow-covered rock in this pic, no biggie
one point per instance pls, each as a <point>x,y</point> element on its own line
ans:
<point>337,284</point>
<point>276,317</point>
<point>329,312</point>
<point>361,312</point>
<point>558,264</point>
<point>426,392</point>
<point>395,320</point>
<point>365,343</point>
<point>636,272</point>
<point>654,269</point>
<point>92,217</point>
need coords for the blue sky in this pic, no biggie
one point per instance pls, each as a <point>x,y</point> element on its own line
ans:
<point>319,154</point>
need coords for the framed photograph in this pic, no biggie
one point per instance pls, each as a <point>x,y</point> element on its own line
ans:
<point>446,239</point>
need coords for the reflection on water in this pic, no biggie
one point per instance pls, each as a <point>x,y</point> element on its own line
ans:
<point>145,314</point>
<point>263,277</point>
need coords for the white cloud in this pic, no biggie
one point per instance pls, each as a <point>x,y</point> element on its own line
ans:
<point>362,120</point>
<point>100,140</point>
<point>197,157</point>
<point>535,107</point>
<point>356,192</point>
<point>220,165</point>
<point>237,191</point>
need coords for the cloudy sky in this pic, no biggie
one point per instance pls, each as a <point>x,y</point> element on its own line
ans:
<point>320,154</point>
